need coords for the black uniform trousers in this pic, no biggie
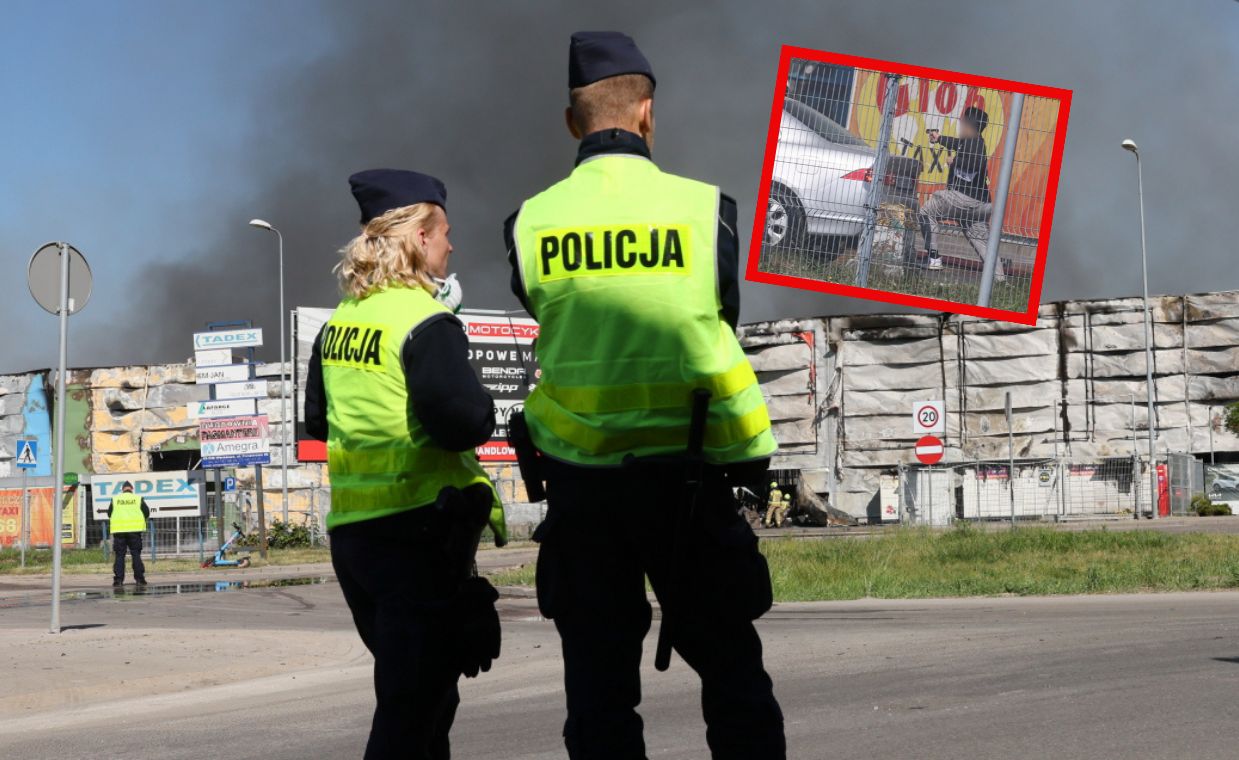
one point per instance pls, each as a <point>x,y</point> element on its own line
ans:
<point>398,581</point>
<point>605,531</point>
<point>130,542</point>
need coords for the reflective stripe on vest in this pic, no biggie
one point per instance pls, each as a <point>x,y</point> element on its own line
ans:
<point>618,266</point>
<point>127,514</point>
<point>379,458</point>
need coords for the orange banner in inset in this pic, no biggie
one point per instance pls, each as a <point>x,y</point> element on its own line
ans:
<point>924,104</point>
<point>41,517</point>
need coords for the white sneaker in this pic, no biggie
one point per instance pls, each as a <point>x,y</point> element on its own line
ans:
<point>934,263</point>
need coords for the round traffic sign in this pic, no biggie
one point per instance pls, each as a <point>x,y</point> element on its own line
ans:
<point>927,416</point>
<point>43,277</point>
<point>929,449</point>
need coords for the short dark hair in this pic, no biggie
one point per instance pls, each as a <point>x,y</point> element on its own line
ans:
<point>125,485</point>
<point>608,102</point>
<point>976,117</point>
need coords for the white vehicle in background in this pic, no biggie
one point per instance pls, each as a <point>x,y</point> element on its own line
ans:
<point>1225,483</point>
<point>821,177</point>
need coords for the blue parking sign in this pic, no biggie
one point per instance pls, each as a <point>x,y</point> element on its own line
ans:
<point>230,484</point>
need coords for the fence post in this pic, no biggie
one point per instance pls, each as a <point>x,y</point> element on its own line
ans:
<point>999,209</point>
<point>1135,461</point>
<point>1010,458</point>
<point>874,195</point>
<point>901,473</point>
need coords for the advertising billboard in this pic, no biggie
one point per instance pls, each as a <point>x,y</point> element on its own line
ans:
<point>501,350</point>
<point>42,511</point>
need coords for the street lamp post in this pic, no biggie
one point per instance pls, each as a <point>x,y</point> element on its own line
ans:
<point>284,421</point>
<point>1130,145</point>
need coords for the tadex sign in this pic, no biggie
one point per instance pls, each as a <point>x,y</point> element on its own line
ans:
<point>246,338</point>
<point>165,493</point>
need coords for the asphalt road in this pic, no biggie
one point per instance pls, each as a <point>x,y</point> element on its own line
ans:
<point>277,673</point>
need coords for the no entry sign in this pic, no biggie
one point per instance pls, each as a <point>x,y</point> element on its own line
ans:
<point>929,449</point>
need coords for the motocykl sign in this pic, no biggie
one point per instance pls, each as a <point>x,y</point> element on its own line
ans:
<point>501,353</point>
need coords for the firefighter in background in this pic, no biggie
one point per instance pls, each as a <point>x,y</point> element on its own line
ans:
<point>773,503</point>
<point>391,390</point>
<point>632,276</point>
<point>127,516</point>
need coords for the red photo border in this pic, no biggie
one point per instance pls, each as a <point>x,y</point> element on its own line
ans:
<point>1027,317</point>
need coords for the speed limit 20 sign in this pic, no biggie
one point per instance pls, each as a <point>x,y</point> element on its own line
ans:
<point>929,417</point>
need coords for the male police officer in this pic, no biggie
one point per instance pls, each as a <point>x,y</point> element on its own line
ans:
<point>632,276</point>
<point>391,390</point>
<point>127,516</point>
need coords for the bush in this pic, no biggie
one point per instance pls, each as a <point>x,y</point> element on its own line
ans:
<point>281,535</point>
<point>1205,507</point>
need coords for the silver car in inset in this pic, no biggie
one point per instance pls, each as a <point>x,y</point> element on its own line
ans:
<point>821,177</point>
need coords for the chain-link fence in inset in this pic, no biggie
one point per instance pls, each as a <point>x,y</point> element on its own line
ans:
<point>892,183</point>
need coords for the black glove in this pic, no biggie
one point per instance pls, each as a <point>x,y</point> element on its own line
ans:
<point>478,643</point>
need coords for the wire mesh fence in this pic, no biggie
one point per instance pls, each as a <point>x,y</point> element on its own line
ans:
<point>890,183</point>
<point>1043,489</point>
<point>200,536</point>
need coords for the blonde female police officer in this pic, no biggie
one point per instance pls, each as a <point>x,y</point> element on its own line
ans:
<point>632,276</point>
<point>391,391</point>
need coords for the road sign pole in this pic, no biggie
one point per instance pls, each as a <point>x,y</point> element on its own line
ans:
<point>219,506</point>
<point>59,478</point>
<point>262,513</point>
<point>24,528</point>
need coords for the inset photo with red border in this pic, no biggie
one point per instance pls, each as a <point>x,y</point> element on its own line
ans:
<point>908,185</point>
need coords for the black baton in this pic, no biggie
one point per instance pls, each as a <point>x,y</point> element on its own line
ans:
<point>526,456</point>
<point>693,466</point>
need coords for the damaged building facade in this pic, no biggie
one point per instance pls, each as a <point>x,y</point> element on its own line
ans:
<point>841,391</point>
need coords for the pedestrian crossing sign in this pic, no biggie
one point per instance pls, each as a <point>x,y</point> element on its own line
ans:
<point>27,453</point>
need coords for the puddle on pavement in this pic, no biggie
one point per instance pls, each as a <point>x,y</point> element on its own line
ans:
<point>132,591</point>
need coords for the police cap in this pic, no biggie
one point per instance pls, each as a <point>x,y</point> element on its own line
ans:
<point>380,190</point>
<point>593,56</point>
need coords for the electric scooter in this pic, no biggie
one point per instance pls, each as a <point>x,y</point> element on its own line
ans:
<point>219,561</point>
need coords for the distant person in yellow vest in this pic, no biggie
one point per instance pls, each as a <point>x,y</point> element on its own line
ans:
<point>391,390</point>
<point>632,276</point>
<point>773,503</point>
<point>127,516</point>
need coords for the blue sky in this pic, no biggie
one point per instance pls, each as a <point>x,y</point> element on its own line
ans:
<point>148,133</point>
<point>122,118</point>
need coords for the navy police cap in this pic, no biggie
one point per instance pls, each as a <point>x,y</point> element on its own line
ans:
<point>593,56</point>
<point>380,190</point>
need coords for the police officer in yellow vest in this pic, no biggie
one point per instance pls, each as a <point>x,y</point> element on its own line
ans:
<point>127,516</point>
<point>632,276</point>
<point>391,391</point>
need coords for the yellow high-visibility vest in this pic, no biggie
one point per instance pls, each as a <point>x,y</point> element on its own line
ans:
<point>618,266</point>
<point>379,458</point>
<point>127,514</point>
